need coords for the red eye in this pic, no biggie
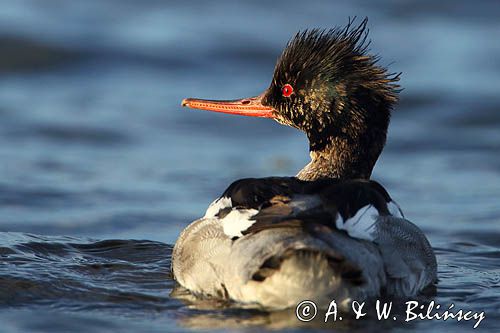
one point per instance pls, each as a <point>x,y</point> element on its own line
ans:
<point>287,90</point>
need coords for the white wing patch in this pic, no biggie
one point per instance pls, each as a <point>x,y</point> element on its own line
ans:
<point>217,205</point>
<point>362,225</point>
<point>395,210</point>
<point>238,220</point>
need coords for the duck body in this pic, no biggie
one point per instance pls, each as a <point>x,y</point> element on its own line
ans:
<point>329,232</point>
<point>273,242</point>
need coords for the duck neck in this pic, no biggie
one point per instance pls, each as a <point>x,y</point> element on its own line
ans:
<point>346,143</point>
<point>346,155</point>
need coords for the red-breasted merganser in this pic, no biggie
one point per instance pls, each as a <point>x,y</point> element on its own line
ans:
<point>329,232</point>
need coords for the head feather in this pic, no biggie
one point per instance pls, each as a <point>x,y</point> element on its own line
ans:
<point>339,56</point>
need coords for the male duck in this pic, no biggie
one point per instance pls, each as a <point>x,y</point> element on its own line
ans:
<point>329,232</point>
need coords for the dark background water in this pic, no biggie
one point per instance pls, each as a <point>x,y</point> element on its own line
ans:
<point>100,168</point>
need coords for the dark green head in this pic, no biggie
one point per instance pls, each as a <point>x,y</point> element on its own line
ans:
<point>326,85</point>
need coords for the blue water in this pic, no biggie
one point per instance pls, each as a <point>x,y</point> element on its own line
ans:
<point>100,168</point>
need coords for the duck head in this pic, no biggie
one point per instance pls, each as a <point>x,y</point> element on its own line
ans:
<point>327,85</point>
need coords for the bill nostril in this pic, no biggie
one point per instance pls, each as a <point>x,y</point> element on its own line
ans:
<point>245,101</point>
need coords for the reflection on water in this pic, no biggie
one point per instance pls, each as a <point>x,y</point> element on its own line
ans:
<point>213,314</point>
<point>96,147</point>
